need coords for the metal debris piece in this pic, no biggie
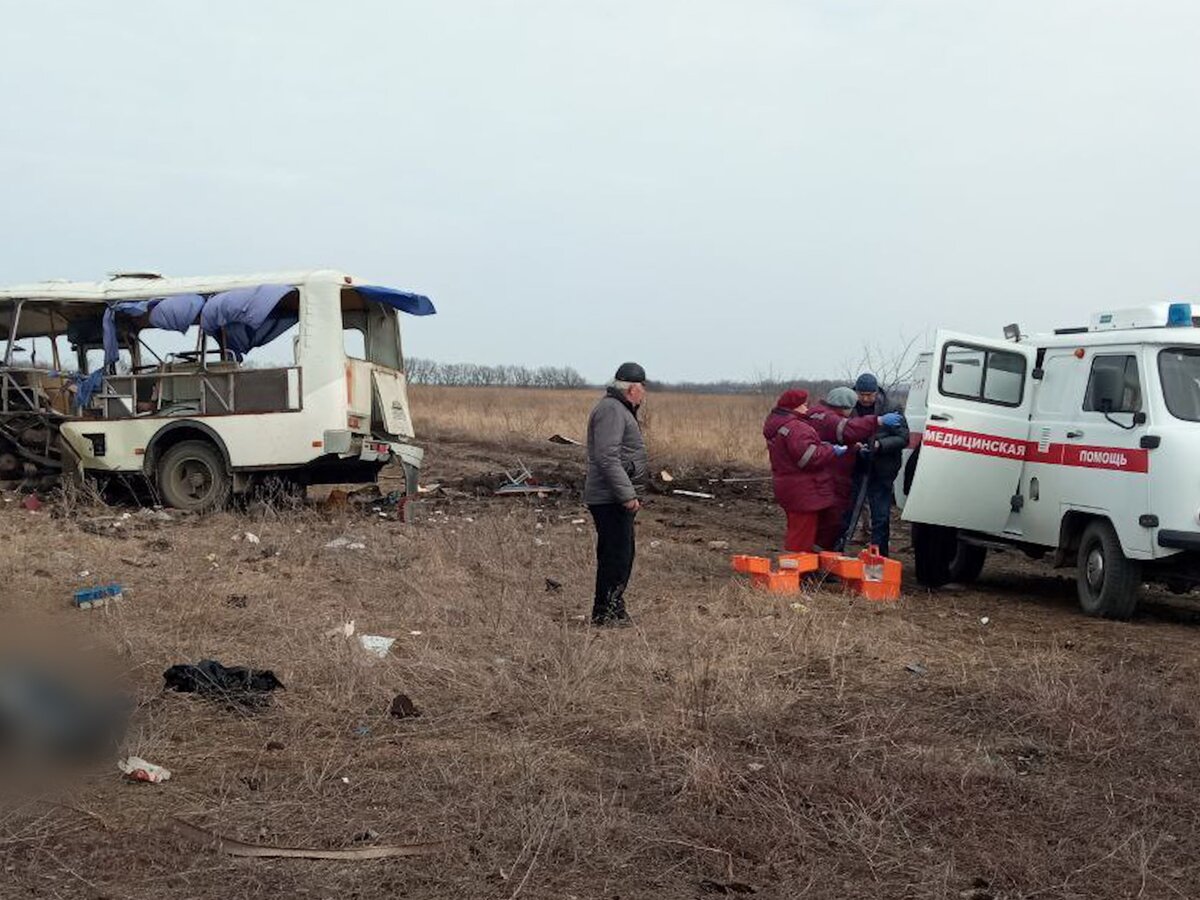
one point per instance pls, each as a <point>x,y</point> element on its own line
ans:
<point>916,668</point>
<point>559,439</point>
<point>697,494</point>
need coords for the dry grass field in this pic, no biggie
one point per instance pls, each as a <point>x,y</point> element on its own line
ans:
<point>731,744</point>
<point>689,430</point>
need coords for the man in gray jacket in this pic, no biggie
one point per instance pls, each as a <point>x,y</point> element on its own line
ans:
<point>615,483</point>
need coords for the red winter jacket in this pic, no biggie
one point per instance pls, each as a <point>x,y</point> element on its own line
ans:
<point>830,425</point>
<point>800,463</point>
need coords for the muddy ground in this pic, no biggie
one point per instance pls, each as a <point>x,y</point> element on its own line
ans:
<point>731,744</point>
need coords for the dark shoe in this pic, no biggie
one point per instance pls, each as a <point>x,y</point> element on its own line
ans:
<point>613,622</point>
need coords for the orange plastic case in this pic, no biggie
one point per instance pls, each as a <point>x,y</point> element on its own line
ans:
<point>799,562</point>
<point>751,565</point>
<point>784,582</point>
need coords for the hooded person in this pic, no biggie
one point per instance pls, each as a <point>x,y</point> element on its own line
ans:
<point>616,474</point>
<point>801,466</point>
<point>834,422</point>
<point>880,464</point>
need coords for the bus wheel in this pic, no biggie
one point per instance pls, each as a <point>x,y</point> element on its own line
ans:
<point>934,548</point>
<point>192,477</point>
<point>967,563</point>
<point>1108,581</point>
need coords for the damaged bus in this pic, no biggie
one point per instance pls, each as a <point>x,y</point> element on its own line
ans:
<point>205,386</point>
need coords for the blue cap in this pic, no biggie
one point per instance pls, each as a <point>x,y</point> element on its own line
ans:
<point>867,383</point>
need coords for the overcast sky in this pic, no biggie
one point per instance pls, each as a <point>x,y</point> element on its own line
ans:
<point>715,189</point>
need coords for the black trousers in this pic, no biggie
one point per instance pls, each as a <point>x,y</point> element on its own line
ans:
<point>614,559</point>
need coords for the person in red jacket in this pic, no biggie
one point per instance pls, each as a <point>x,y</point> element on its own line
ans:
<point>800,468</point>
<point>833,423</point>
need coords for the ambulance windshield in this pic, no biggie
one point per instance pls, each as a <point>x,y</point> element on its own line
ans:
<point>1179,369</point>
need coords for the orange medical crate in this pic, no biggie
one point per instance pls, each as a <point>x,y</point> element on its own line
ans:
<point>751,565</point>
<point>785,582</point>
<point>799,562</point>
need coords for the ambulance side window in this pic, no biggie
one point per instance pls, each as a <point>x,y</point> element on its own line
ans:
<point>1114,378</point>
<point>983,375</point>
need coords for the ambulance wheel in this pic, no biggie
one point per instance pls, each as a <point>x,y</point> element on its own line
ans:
<point>192,476</point>
<point>934,549</point>
<point>1108,581</point>
<point>967,563</point>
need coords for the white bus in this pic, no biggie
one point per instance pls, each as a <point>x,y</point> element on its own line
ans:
<point>205,385</point>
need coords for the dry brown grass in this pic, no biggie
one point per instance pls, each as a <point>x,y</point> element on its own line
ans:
<point>684,429</point>
<point>730,739</point>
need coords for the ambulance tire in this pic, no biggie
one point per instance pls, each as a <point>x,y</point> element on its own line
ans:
<point>967,563</point>
<point>934,549</point>
<point>1107,580</point>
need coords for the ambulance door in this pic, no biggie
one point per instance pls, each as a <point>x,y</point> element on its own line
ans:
<point>1056,397</point>
<point>976,436</point>
<point>1104,468</point>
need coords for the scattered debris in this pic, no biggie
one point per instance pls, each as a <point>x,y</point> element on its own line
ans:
<point>423,489</point>
<point>560,439</point>
<point>718,545</point>
<point>32,502</point>
<point>984,620</point>
<point>346,630</point>
<point>237,601</point>
<point>579,521</point>
<point>699,495</point>
<point>275,746</point>
<point>345,543</point>
<point>362,731</point>
<point>376,644</point>
<point>917,669</point>
<point>666,475</point>
<point>403,708</point>
<point>251,538</point>
<point>210,679</point>
<point>654,545</point>
<point>755,767</point>
<point>800,607</point>
<point>369,836</point>
<point>137,769</point>
<point>523,482</point>
<point>87,598</point>
<point>233,847</point>
<point>553,587</point>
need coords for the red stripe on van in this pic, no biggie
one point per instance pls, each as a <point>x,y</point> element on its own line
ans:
<point>1114,459</point>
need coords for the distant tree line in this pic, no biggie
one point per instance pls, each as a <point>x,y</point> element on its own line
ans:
<point>428,371</point>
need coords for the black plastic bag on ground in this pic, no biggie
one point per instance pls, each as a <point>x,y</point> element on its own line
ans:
<point>235,684</point>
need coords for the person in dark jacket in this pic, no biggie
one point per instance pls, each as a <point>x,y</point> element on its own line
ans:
<point>879,462</point>
<point>616,476</point>
<point>801,469</point>
<point>835,422</point>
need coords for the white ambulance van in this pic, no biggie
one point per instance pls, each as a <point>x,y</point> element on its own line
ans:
<point>1082,447</point>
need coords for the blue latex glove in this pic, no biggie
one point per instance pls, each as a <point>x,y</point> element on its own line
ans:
<point>891,420</point>
<point>840,449</point>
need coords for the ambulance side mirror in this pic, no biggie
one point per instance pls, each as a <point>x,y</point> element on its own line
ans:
<point>1038,374</point>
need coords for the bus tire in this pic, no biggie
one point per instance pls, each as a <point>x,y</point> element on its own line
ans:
<point>934,548</point>
<point>1107,580</point>
<point>967,563</point>
<point>192,476</point>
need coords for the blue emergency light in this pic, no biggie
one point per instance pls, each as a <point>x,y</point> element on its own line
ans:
<point>1179,315</point>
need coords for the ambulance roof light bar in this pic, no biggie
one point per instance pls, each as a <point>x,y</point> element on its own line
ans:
<point>1157,315</point>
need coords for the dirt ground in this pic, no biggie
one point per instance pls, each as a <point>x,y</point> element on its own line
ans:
<point>984,742</point>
